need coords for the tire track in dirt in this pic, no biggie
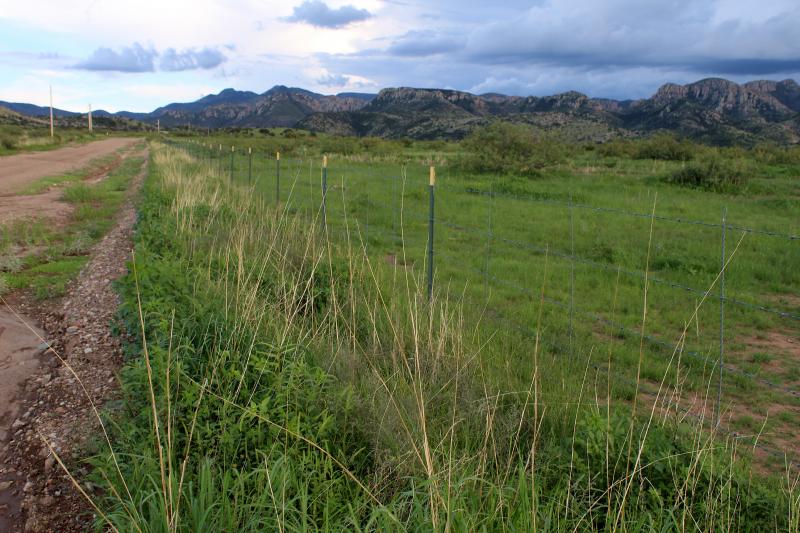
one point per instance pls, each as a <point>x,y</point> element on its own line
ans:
<point>19,171</point>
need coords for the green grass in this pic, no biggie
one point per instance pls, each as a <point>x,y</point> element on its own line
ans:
<point>17,139</point>
<point>281,380</point>
<point>494,250</point>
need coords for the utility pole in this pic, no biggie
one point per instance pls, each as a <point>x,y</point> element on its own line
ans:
<point>90,117</point>
<point>52,134</point>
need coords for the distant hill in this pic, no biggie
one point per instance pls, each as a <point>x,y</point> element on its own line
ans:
<point>36,110</point>
<point>713,110</point>
<point>7,116</point>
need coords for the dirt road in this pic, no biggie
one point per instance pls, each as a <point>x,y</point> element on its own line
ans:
<point>27,369</point>
<point>17,171</point>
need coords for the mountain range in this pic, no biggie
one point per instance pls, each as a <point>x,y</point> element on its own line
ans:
<point>712,110</point>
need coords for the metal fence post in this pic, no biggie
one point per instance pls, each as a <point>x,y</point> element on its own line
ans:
<point>231,174</point>
<point>396,212</point>
<point>571,277</point>
<point>431,186</point>
<point>220,161</point>
<point>721,318</point>
<point>324,192</point>
<point>277,178</point>
<point>488,243</point>
<point>249,166</point>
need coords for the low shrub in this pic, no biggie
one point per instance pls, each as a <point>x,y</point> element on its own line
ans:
<point>8,142</point>
<point>507,148</point>
<point>10,263</point>
<point>712,173</point>
<point>666,147</point>
<point>772,154</point>
<point>617,148</point>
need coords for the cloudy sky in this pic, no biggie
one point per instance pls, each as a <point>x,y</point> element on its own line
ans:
<point>138,55</point>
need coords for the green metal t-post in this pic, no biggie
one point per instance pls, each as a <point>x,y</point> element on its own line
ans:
<point>431,218</point>
<point>277,178</point>
<point>324,192</point>
<point>721,362</point>
<point>231,174</point>
<point>249,166</point>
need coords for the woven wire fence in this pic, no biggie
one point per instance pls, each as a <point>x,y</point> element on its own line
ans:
<point>489,248</point>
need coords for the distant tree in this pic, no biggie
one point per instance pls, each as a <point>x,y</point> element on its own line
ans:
<point>667,147</point>
<point>508,148</point>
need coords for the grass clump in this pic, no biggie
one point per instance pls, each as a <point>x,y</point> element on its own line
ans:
<point>10,263</point>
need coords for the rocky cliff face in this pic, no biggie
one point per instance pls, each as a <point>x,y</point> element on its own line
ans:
<point>720,111</point>
<point>724,97</point>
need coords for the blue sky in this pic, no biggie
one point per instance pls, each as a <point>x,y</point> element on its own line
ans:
<point>138,55</point>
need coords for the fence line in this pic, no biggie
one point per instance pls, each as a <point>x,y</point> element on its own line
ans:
<point>601,266</point>
<point>491,236</point>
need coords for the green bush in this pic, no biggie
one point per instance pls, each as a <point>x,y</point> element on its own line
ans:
<point>772,154</point>
<point>8,142</point>
<point>712,173</point>
<point>617,148</point>
<point>507,148</point>
<point>666,147</point>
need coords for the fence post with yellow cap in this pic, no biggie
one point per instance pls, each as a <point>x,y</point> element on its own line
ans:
<point>324,191</point>
<point>249,166</point>
<point>231,174</point>
<point>277,178</point>
<point>431,187</point>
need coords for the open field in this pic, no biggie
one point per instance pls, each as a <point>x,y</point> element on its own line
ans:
<point>287,378</point>
<point>286,369</point>
<point>588,219</point>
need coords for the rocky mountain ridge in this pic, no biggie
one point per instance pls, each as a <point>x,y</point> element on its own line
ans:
<point>713,110</point>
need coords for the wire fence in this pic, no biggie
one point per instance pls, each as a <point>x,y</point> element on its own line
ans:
<point>499,243</point>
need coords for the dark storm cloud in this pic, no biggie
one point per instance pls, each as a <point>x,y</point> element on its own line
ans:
<point>616,48</point>
<point>423,44</point>
<point>318,13</point>
<point>623,33</point>
<point>133,58</point>
<point>191,59</point>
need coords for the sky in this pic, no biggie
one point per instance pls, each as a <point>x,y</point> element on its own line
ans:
<point>139,55</point>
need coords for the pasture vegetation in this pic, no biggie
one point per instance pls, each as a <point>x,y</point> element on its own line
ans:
<point>42,257</point>
<point>15,139</point>
<point>286,376</point>
<point>509,201</point>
